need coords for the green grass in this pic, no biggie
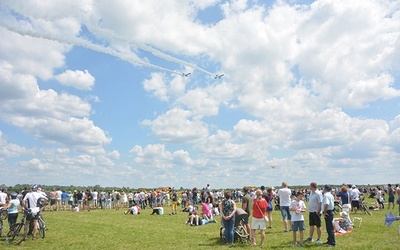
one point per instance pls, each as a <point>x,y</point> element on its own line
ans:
<point>110,229</point>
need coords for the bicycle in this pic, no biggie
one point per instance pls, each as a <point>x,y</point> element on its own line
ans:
<point>15,231</point>
<point>363,206</point>
<point>3,216</point>
<point>337,207</point>
<point>14,235</point>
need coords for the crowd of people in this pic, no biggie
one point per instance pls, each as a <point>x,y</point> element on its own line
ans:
<point>257,203</point>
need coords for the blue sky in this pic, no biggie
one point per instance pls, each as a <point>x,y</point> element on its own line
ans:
<point>91,92</point>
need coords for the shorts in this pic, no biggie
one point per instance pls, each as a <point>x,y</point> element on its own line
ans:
<point>314,219</point>
<point>391,199</point>
<point>285,213</point>
<point>31,216</point>
<point>52,202</point>
<point>398,201</point>
<point>355,204</point>
<point>298,226</point>
<point>257,223</point>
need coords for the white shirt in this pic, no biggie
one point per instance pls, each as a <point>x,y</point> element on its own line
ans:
<point>31,201</point>
<point>328,200</point>
<point>134,210</point>
<point>58,194</point>
<point>298,205</point>
<point>3,198</point>
<point>95,194</point>
<point>355,194</point>
<point>284,197</point>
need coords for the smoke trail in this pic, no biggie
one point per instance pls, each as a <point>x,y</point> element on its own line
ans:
<point>82,43</point>
<point>109,33</point>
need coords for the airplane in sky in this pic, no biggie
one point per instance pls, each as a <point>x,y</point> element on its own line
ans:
<point>218,76</point>
<point>186,74</point>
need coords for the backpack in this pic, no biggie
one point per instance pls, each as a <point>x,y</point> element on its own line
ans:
<point>40,202</point>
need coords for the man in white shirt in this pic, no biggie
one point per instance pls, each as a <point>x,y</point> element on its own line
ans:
<point>30,202</point>
<point>284,202</point>
<point>3,197</point>
<point>328,203</point>
<point>355,198</point>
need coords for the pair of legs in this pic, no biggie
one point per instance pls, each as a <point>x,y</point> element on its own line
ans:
<point>229,233</point>
<point>30,218</point>
<point>314,221</point>
<point>329,228</point>
<point>298,226</point>
<point>173,206</point>
<point>269,214</point>
<point>257,223</point>
<point>286,217</point>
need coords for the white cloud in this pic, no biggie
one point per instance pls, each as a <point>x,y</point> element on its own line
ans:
<point>10,150</point>
<point>177,126</point>
<point>82,80</point>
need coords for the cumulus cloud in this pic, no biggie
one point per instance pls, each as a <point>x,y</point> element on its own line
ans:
<point>10,150</point>
<point>177,126</point>
<point>82,80</point>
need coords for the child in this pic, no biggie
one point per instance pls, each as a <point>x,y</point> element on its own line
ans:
<point>297,207</point>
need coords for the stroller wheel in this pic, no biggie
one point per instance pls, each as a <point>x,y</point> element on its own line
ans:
<point>222,234</point>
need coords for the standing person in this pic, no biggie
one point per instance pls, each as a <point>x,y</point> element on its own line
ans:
<point>390,195</point>
<point>314,212</point>
<point>95,197</point>
<point>398,197</point>
<point>328,203</point>
<point>64,196</point>
<point>345,199</point>
<point>228,209</point>
<point>53,200</point>
<point>12,209</point>
<point>30,202</point>
<point>58,196</point>
<point>269,196</point>
<point>298,208</point>
<point>284,203</point>
<point>257,221</point>
<point>246,202</point>
<point>355,198</point>
<point>174,198</point>
<point>379,198</point>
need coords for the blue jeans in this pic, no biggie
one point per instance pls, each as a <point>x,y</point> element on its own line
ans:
<point>229,225</point>
<point>285,213</point>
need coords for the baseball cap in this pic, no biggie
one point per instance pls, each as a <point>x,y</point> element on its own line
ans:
<point>327,187</point>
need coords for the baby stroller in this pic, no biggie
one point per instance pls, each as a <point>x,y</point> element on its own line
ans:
<point>240,232</point>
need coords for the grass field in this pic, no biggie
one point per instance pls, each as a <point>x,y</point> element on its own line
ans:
<point>111,229</point>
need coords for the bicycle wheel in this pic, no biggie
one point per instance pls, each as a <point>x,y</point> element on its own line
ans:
<point>41,228</point>
<point>14,234</point>
<point>366,209</point>
<point>4,214</point>
<point>1,228</point>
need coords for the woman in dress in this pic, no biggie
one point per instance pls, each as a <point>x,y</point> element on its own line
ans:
<point>258,221</point>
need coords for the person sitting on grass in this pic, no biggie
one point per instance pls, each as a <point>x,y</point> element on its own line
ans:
<point>342,224</point>
<point>193,219</point>
<point>135,209</point>
<point>158,209</point>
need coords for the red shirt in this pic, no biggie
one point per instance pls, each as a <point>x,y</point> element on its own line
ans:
<point>259,208</point>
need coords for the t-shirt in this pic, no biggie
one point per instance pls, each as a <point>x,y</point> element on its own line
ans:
<point>314,200</point>
<point>298,205</point>
<point>13,209</point>
<point>259,208</point>
<point>344,197</point>
<point>355,194</point>
<point>134,210</point>
<point>205,209</point>
<point>284,197</point>
<point>31,201</point>
<point>3,197</point>
<point>246,200</point>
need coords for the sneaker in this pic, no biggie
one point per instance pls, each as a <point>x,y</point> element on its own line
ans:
<point>318,241</point>
<point>301,245</point>
<point>294,244</point>
<point>310,240</point>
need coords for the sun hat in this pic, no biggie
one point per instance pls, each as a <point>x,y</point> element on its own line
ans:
<point>343,214</point>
